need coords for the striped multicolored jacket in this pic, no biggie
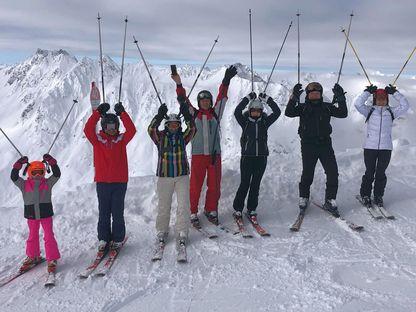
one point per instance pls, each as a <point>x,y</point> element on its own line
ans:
<point>172,160</point>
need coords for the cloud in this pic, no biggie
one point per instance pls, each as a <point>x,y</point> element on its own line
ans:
<point>183,30</point>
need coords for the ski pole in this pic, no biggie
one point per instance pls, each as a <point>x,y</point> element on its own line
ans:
<point>298,14</point>
<point>147,69</point>
<point>122,59</point>
<point>407,61</point>
<point>101,56</point>
<point>251,53</point>
<point>356,55</point>
<point>203,66</point>
<point>10,141</point>
<point>277,58</point>
<point>345,48</point>
<point>59,131</point>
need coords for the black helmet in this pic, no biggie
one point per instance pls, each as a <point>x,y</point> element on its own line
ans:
<point>204,94</point>
<point>110,119</point>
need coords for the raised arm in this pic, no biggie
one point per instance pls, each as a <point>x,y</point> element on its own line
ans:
<point>339,97</point>
<point>181,92</point>
<point>293,107</point>
<point>153,130</point>
<point>238,112</point>
<point>274,107</point>
<point>127,122</point>
<point>359,103</point>
<point>56,171</point>
<point>403,106</point>
<point>14,175</point>
<point>222,96</point>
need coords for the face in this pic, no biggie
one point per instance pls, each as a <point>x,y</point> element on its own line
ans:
<point>38,174</point>
<point>255,113</point>
<point>174,126</point>
<point>314,95</point>
<point>205,103</point>
<point>381,101</point>
<point>111,129</point>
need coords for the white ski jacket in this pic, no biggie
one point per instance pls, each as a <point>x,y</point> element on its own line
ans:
<point>379,125</point>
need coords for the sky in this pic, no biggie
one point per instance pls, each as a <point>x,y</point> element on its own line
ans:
<point>182,31</point>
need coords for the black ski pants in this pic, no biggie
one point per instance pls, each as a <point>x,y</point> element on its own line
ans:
<point>376,163</point>
<point>111,205</point>
<point>310,154</point>
<point>251,170</point>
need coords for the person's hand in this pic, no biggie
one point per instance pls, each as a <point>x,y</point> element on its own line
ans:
<point>119,109</point>
<point>264,98</point>
<point>390,89</point>
<point>371,89</point>
<point>162,111</point>
<point>297,91</point>
<point>49,159</point>
<point>103,108</point>
<point>251,96</point>
<point>20,162</point>
<point>230,72</point>
<point>177,79</point>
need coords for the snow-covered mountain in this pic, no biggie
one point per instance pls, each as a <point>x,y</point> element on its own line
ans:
<point>322,268</point>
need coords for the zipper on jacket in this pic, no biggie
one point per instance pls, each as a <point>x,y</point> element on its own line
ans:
<point>379,133</point>
<point>257,139</point>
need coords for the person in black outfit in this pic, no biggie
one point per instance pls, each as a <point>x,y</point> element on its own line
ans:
<point>254,150</point>
<point>315,134</point>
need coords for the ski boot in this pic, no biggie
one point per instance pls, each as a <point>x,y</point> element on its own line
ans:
<point>378,201</point>
<point>303,204</point>
<point>102,246</point>
<point>331,206</point>
<point>237,215</point>
<point>181,247</point>
<point>212,217</point>
<point>252,215</point>
<point>115,246</point>
<point>366,201</point>
<point>52,266</point>
<point>195,221</point>
<point>29,262</point>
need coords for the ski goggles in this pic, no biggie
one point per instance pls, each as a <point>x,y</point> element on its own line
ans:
<point>256,110</point>
<point>204,95</point>
<point>38,172</point>
<point>111,126</point>
<point>313,87</point>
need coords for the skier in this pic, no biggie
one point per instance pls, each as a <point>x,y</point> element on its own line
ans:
<point>111,171</point>
<point>37,193</point>
<point>254,150</point>
<point>206,147</point>
<point>315,134</point>
<point>172,170</point>
<point>378,143</point>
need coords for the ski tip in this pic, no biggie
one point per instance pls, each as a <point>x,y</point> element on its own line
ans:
<point>293,229</point>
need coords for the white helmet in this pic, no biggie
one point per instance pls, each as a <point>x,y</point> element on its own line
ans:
<point>255,104</point>
<point>172,118</point>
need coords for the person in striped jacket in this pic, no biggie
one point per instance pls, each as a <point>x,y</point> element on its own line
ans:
<point>172,169</point>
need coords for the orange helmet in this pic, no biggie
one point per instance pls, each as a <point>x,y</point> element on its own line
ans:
<point>36,169</point>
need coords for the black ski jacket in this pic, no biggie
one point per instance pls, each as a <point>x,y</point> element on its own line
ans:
<point>254,137</point>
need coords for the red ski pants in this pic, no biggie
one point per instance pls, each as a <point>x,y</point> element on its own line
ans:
<point>202,166</point>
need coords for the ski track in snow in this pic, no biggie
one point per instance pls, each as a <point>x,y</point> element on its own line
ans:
<point>324,267</point>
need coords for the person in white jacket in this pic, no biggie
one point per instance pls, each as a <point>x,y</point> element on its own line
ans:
<point>378,142</point>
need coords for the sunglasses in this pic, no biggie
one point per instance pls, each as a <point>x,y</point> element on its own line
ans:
<point>204,95</point>
<point>256,110</point>
<point>38,172</point>
<point>110,127</point>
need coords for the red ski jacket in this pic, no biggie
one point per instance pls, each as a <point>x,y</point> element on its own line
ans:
<point>110,156</point>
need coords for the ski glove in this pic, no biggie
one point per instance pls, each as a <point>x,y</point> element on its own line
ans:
<point>18,164</point>
<point>49,159</point>
<point>162,111</point>
<point>297,91</point>
<point>339,94</point>
<point>251,96</point>
<point>230,72</point>
<point>390,89</point>
<point>265,98</point>
<point>103,108</point>
<point>119,109</point>
<point>371,89</point>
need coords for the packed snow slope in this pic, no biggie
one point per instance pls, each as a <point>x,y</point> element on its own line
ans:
<point>324,267</point>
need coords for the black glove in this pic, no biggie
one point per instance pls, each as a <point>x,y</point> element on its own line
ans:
<point>103,108</point>
<point>265,98</point>
<point>162,111</point>
<point>390,89</point>
<point>339,94</point>
<point>184,110</point>
<point>297,91</point>
<point>49,159</point>
<point>251,96</point>
<point>20,162</point>
<point>119,108</point>
<point>230,72</point>
<point>371,89</point>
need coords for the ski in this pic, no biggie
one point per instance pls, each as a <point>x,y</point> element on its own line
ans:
<point>6,280</point>
<point>91,268</point>
<point>259,229</point>
<point>50,280</point>
<point>297,224</point>
<point>241,228</point>
<point>375,213</point>
<point>350,224</point>
<point>158,252</point>
<point>205,232</point>
<point>181,257</point>
<point>386,214</point>
<point>112,256</point>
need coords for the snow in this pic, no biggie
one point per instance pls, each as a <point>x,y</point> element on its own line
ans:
<point>324,267</point>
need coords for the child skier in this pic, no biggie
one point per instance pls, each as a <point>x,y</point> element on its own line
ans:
<point>254,150</point>
<point>37,193</point>
<point>111,171</point>
<point>378,143</point>
<point>172,172</point>
<point>206,147</point>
